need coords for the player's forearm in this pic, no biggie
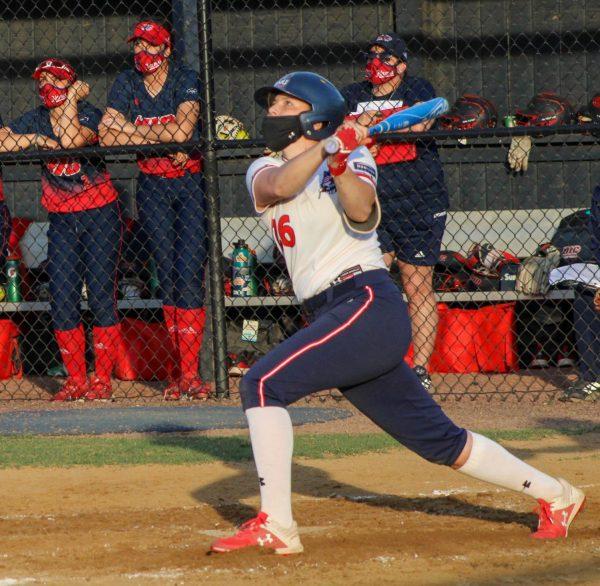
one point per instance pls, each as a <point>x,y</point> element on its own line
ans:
<point>114,137</point>
<point>356,196</point>
<point>280,183</point>
<point>420,127</point>
<point>11,142</point>
<point>170,132</point>
<point>69,128</point>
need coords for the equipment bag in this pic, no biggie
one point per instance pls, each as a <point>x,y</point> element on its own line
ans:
<point>474,340</point>
<point>146,352</point>
<point>573,238</point>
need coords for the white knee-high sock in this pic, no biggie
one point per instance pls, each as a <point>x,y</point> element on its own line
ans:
<point>489,461</point>
<point>272,438</point>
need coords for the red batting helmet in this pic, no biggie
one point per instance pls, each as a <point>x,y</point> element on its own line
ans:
<point>470,111</point>
<point>590,114</point>
<point>450,272</point>
<point>545,109</point>
<point>485,260</point>
<point>56,67</point>
<point>450,261</point>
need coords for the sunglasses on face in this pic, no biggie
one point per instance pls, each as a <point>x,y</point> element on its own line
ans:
<point>384,56</point>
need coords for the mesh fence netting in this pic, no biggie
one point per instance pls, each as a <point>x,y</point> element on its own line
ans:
<point>135,264</point>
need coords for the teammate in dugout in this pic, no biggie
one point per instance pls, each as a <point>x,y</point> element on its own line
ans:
<point>157,102</point>
<point>5,219</point>
<point>586,324</point>
<point>85,225</point>
<point>323,213</point>
<point>413,194</point>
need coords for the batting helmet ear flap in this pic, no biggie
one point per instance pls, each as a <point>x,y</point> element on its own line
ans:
<point>309,120</point>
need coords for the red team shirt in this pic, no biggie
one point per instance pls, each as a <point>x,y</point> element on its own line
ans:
<point>130,97</point>
<point>359,98</point>
<point>71,184</point>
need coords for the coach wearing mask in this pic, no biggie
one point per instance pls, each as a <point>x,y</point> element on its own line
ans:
<point>411,189</point>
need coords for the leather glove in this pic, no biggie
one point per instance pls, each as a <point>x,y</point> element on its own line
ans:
<point>230,128</point>
<point>518,153</point>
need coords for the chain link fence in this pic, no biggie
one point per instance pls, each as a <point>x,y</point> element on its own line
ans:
<point>137,268</point>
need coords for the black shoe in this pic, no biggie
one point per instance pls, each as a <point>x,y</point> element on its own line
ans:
<point>582,391</point>
<point>565,358</point>
<point>425,379</point>
<point>540,358</point>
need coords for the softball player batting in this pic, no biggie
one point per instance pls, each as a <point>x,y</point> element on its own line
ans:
<point>157,102</point>
<point>85,227</point>
<point>323,212</point>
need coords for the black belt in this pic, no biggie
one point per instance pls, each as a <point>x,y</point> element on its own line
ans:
<point>311,304</point>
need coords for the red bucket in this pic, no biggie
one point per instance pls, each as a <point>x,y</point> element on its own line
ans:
<point>10,358</point>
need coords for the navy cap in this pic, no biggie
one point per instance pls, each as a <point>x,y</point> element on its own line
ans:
<point>393,43</point>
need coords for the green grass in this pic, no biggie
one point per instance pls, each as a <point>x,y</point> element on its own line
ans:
<point>66,451</point>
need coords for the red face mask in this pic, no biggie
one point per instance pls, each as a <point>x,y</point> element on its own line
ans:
<point>52,96</point>
<point>378,72</point>
<point>146,62</point>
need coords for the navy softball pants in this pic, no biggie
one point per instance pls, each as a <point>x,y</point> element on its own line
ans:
<point>84,245</point>
<point>586,323</point>
<point>356,341</point>
<point>172,217</point>
<point>5,230</point>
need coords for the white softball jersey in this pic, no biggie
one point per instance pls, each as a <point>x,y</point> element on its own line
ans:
<point>318,241</point>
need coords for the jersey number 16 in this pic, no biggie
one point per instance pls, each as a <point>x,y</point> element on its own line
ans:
<point>283,232</point>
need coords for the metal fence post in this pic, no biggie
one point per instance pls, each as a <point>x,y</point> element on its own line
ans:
<point>185,26</point>
<point>211,174</point>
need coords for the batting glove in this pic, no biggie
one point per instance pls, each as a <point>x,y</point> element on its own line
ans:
<point>518,153</point>
<point>348,141</point>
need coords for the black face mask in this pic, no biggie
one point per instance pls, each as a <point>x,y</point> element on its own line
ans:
<point>281,131</point>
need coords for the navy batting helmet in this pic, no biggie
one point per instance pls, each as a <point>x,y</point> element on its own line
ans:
<point>327,104</point>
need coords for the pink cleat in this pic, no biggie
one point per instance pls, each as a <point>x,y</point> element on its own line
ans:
<point>556,516</point>
<point>262,532</point>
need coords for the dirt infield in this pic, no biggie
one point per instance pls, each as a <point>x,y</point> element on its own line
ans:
<point>385,518</point>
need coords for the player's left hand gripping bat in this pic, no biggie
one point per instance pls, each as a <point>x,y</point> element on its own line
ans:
<point>428,110</point>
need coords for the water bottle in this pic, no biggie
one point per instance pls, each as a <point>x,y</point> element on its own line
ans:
<point>13,281</point>
<point>243,280</point>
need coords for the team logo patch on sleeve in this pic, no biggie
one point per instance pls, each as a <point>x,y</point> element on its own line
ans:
<point>364,168</point>
<point>327,183</point>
